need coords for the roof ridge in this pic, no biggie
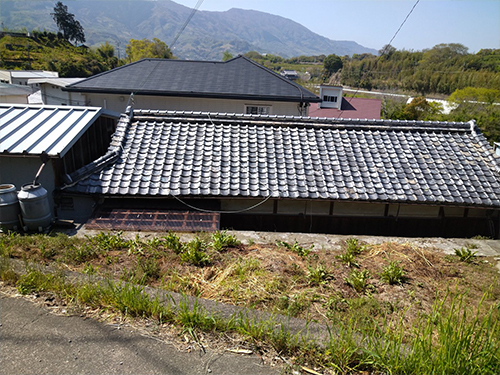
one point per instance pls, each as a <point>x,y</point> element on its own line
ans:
<point>115,149</point>
<point>286,80</point>
<point>309,121</point>
<point>103,73</point>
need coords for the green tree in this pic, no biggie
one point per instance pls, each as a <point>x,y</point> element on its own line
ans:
<point>226,56</point>
<point>70,28</point>
<point>480,104</point>
<point>106,52</point>
<point>474,94</point>
<point>145,48</point>
<point>420,109</point>
<point>332,64</point>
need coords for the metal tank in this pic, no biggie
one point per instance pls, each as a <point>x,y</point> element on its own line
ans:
<point>35,208</point>
<point>9,208</point>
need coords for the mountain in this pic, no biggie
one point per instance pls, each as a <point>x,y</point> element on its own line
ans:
<point>206,37</point>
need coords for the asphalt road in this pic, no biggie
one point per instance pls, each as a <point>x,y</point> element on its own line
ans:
<point>36,341</point>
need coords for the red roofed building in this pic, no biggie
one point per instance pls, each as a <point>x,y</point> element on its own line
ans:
<point>334,105</point>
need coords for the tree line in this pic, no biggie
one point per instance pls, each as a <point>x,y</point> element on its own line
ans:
<point>441,69</point>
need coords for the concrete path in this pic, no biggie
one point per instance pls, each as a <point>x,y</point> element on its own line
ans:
<point>35,341</point>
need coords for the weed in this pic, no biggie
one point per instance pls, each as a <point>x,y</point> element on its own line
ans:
<point>222,240</point>
<point>89,269</point>
<point>353,246</point>
<point>451,340</point>
<point>77,254</point>
<point>465,254</point>
<point>173,242</point>
<point>36,281</point>
<point>295,304</point>
<point>131,299</point>
<point>336,303</point>
<point>295,247</point>
<point>194,253</point>
<point>479,237</point>
<point>135,246</point>
<point>348,258</point>
<point>352,249</point>
<point>150,268</point>
<point>47,253</point>
<point>109,241</point>
<point>358,280</point>
<point>194,318</point>
<point>317,275</point>
<point>393,273</point>
<point>7,274</point>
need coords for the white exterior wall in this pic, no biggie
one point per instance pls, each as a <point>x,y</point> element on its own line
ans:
<point>14,99</point>
<point>53,95</point>
<point>331,91</point>
<point>118,103</point>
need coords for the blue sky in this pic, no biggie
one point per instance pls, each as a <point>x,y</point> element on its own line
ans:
<point>372,23</point>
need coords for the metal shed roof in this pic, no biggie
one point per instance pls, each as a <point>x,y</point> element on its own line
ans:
<point>34,129</point>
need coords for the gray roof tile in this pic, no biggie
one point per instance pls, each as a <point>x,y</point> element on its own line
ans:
<point>258,156</point>
<point>239,78</point>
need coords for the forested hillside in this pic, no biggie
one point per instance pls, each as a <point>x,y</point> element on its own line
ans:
<point>50,51</point>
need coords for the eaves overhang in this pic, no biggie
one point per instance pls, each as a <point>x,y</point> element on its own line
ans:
<point>272,98</point>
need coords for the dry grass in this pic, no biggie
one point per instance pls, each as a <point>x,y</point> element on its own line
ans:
<point>276,279</point>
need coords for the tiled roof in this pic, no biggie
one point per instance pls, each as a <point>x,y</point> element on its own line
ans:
<point>350,108</point>
<point>238,78</point>
<point>199,154</point>
<point>33,129</point>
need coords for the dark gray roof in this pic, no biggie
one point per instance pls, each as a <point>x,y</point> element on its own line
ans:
<point>164,153</point>
<point>238,78</point>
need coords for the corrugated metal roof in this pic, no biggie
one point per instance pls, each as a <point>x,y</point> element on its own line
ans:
<point>33,129</point>
<point>60,82</point>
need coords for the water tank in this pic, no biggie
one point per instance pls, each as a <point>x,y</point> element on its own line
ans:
<point>35,207</point>
<point>9,208</point>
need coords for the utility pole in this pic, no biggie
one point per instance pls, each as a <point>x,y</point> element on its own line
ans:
<point>28,47</point>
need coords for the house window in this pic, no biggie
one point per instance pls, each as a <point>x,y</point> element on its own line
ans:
<point>258,110</point>
<point>328,98</point>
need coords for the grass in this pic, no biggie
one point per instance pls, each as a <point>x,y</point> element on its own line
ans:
<point>402,310</point>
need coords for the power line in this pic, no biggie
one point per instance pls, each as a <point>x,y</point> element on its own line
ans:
<point>384,50</point>
<point>198,4</point>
